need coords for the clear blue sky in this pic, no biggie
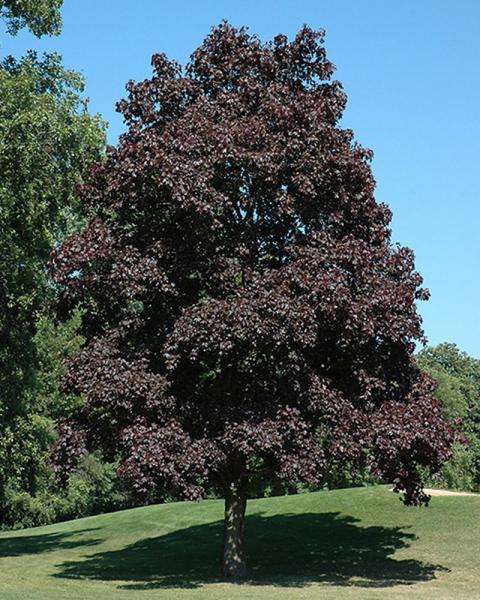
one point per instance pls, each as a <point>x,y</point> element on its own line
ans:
<point>411,70</point>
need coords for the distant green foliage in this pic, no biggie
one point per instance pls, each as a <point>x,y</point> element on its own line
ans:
<point>459,472</point>
<point>458,377</point>
<point>26,480</point>
<point>47,141</point>
<point>42,17</point>
<point>24,441</point>
<point>31,495</point>
<point>54,342</point>
<point>92,488</point>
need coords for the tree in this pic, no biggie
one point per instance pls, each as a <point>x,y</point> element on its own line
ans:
<point>246,315</point>
<point>458,378</point>
<point>42,17</point>
<point>47,139</point>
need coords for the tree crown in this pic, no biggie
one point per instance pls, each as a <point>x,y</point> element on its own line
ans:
<point>246,315</point>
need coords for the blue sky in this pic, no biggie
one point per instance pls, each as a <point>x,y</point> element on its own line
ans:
<point>411,70</point>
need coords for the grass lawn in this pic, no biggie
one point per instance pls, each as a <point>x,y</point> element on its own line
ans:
<point>355,544</point>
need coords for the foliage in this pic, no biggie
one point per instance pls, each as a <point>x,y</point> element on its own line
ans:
<point>459,472</point>
<point>47,138</point>
<point>458,378</point>
<point>246,315</point>
<point>28,487</point>
<point>32,494</point>
<point>93,487</point>
<point>24,444</point>
<point>42,17</point>
<point>54,343</point>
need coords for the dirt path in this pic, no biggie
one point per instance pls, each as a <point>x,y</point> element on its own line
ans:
<point>437,492</point>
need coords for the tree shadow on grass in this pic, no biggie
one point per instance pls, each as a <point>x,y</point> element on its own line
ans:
<point>19,545</point>
<point>287,550</point>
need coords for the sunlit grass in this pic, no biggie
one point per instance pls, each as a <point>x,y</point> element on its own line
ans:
<point>354,544</point>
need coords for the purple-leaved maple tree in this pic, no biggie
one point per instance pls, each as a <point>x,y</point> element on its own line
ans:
<point>246,314</point>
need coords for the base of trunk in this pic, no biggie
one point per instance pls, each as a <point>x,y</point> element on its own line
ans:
<point>234,566</point>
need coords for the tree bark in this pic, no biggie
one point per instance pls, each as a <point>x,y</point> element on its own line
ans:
<point>234,566</point>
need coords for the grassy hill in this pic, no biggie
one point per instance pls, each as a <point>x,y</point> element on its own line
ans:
<point>346,544</point>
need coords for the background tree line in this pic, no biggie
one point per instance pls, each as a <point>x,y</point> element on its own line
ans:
<point>48,140</point>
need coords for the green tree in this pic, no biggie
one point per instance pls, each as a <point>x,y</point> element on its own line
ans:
<point>458,378</point>
<point>47,141</point>
<point>54,342</point>
<point>42,17</point>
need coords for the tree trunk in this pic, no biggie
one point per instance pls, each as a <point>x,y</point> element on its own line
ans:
<point>233,553</point>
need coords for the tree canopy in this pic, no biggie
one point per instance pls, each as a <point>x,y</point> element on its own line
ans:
<point>458,378</point>
<point>47,139</point>
<point>246,314</point>
<point>42,17</point>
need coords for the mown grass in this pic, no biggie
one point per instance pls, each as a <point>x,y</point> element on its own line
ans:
<point>358,544</point>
